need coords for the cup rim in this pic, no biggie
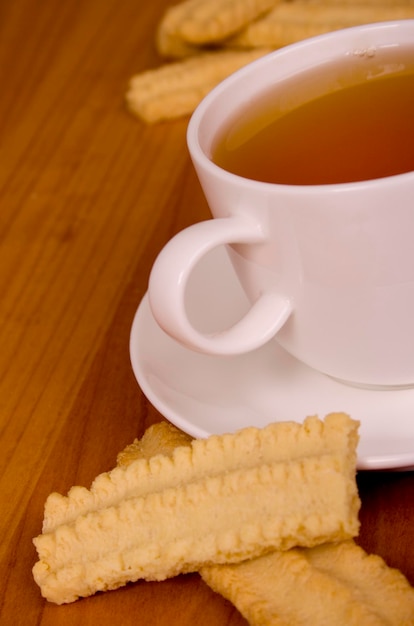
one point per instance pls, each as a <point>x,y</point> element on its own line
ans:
<point>343,37</point>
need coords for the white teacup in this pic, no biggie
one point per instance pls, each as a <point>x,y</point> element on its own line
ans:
<point>328,268</point>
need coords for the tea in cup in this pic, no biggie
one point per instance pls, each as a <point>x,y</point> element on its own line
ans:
<point>306,158</point>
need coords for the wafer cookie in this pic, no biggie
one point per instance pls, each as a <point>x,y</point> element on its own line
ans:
<point>220,500</point>
<point>290,22</point>
<point>331,584</point>
<point>208,21</point>
<point>175,89</point>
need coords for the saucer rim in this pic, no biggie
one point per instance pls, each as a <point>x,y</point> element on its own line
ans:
<point>400,461</point>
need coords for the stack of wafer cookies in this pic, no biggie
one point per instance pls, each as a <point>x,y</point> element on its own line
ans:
<point>203,41</point>
<point>333,583</point>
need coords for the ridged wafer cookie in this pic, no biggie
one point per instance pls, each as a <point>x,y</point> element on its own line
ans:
<point>175,89</point>
<point>219,500</point>
<point>209,21</point>
<point>293,21</point>
<point>331,584</point>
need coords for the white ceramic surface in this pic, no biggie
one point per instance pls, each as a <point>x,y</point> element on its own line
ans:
<point>329,269</point>
<point>204,394</point>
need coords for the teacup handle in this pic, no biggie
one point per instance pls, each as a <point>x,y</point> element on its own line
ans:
<point>171,272</point>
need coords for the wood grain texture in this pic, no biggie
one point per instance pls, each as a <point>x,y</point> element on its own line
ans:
<point>88,196</point>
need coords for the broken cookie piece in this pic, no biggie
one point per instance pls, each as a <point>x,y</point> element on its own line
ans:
<point>220,500</point>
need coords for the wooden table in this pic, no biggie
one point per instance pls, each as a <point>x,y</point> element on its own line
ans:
<point>88,196</point>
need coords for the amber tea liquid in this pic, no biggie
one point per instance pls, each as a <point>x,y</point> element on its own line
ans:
<point>323,130</point>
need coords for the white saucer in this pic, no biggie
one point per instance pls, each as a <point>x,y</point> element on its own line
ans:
<point>204,395</point>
